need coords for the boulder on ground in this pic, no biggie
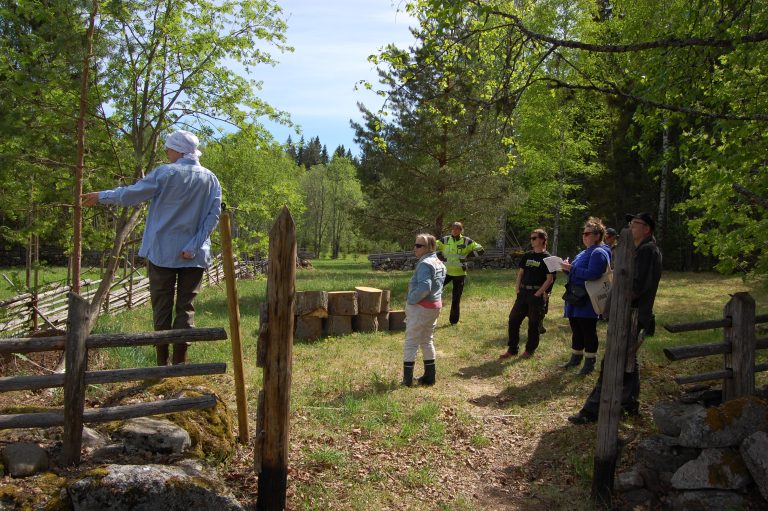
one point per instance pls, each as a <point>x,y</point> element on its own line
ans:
<point>725,425</point>
<point>754,452</point>
<point>154,435</point>
<point>24,459</point>
<point>714,469</point>
<point>184,487</point>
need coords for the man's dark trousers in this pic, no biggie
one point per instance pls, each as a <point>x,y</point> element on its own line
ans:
<point>165,284</point>
<point>458,288</point>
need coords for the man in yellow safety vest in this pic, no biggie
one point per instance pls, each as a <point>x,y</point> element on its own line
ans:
<point>454,250</point>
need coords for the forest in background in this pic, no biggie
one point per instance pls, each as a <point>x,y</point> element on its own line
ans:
<point>525,114</point>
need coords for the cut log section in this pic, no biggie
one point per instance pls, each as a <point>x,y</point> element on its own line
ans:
<point>338,325</point>
<point>342,303</point>
<point>384,300</point>
<point>309,327</point>
<point>383,318</point>
<point>365,323</point>
<point>368,300</point>
<point>312,303</point>
<point>397,320</point>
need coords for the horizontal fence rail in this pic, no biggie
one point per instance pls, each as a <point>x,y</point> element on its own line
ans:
<point>74,381</point>
<point>738,348</point>
<point>27,312</point>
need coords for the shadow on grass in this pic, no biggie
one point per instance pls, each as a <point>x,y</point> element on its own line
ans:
<point>537,391</point>
<point>376,387</point>
<point>487,369</point>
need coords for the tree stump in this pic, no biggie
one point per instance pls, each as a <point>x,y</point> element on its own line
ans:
<point>368,300</point>
<point>383,318</point>
<point>342,303</point>
<point>397,320</point>
<point>365,323</point>
<point>312,303</point>
<point>338,325</point>
<point>309,327</point>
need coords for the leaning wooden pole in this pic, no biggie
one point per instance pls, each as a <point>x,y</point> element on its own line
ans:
<point>228,260</point>
<point>618,346</point>
<point>76,356</point>
<point>281,288</point>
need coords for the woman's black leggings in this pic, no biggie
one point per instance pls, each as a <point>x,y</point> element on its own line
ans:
<point>584,334</point>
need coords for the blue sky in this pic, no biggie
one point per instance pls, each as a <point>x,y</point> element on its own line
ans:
<point>316,83</point>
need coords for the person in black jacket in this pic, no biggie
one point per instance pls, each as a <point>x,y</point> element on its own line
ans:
<point>645,284</point>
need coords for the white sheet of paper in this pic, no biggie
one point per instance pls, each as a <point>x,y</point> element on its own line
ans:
<point>553,263</point>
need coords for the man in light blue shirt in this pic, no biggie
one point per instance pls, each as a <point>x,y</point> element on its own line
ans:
<point>184,208</point>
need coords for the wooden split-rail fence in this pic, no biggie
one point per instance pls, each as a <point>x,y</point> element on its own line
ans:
<point>47,309</point>
<point>738,347</point>
<point>76,378</point>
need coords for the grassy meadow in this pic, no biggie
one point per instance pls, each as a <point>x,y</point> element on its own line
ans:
<point>490,434</point>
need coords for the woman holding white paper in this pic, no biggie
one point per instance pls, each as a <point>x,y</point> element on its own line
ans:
<point>589,264</point>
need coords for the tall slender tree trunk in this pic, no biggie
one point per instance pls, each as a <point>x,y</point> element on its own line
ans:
<point>661,215</point>
<point>77,245</point>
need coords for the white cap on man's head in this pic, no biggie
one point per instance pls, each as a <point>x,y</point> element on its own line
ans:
<point>184,142</point>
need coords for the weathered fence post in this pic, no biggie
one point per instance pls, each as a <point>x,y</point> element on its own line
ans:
<point>281,289</point>
<point>76,356</point>
<point>618,346</point>
<point>740,359</point>
<point>234,326</point>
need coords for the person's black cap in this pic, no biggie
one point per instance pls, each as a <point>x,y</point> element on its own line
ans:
<point>646,218</point>
<point>611,232</point>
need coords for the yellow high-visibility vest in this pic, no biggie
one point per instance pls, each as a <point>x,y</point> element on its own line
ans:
<point>455,253</point>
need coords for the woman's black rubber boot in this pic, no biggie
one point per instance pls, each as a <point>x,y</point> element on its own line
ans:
<point>429,373</point>
<point>574,361</point>
<point>588,367</point>
<point>408,373</point>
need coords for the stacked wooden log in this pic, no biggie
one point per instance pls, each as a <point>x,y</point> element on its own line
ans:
<point>336,313</point>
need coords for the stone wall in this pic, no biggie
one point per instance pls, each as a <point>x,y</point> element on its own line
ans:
<point>704,457</point>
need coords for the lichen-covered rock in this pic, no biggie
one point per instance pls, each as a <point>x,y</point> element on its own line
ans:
<point>629,480</point>
<point>714,469</point>
<point>24,459</point>
<point>150,488</point>
<point>726,425</point>
<point>670,415</point>
<point>663,454</point>
<point>704,500</point>
<point>754,452</point>
<point>154,435</point>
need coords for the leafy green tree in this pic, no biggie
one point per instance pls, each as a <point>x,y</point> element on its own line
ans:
<point>257,179</point>
<point>345,198</point>
<point>684,89</point>
<point>427,158</point>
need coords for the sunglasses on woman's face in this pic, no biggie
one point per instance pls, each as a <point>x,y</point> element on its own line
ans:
<point>534,238</point>
<point>418,245</point>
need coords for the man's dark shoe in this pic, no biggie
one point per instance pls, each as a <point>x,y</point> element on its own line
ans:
<point>581,418</point>
<point>526,354</point>
<point>508,354</point>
